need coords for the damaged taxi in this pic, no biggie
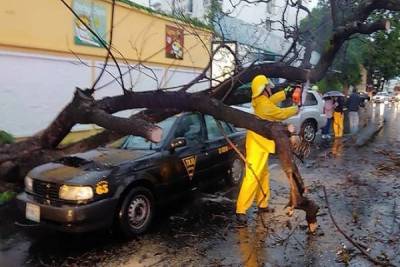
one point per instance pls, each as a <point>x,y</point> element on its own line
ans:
<point>123,183</point>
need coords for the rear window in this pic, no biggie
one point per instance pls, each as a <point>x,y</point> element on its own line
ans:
<point>310,100</point>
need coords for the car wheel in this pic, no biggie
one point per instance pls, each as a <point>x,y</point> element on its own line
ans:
<point>235,172</point>
<point>136,211</point>
<point>308,131</point>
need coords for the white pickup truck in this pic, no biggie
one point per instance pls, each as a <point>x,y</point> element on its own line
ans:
<point>308,121</point>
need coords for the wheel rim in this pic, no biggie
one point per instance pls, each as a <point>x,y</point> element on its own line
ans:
<point>309,133</point>
<point>138,211</point>
<point>236,171</point>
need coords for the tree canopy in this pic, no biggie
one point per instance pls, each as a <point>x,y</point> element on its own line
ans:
<point>377,52</point>
<point>383,52</point>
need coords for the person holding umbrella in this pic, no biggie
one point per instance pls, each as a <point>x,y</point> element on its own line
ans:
<point>328,111</point>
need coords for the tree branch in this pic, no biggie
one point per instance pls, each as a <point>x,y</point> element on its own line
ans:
<point>340,36</point>
<point>334,11</point>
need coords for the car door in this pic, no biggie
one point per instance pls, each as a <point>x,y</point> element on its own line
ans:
<point>216,146</point>
<point>310,109</point>
<point>189,160</point>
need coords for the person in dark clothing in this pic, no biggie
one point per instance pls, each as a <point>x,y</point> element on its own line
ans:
<point>338,117</point>
<point>353,105</point>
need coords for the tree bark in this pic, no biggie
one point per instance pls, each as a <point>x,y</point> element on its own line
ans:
<point>17,159</point>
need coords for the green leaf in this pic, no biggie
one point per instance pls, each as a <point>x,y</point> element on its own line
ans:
<point>7,196</point>
<point>6,138</point>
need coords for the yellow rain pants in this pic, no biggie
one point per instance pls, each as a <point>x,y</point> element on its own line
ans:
<point>338,118</point>
<point>257,152</point>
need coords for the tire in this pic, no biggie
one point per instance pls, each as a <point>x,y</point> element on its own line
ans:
<point>136,212</point>
<point>235,172</point>
<point>308,131</point>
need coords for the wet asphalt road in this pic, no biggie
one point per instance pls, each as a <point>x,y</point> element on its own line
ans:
<point>363,188</point>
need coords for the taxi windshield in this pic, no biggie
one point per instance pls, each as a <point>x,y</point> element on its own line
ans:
<point>138,142</point>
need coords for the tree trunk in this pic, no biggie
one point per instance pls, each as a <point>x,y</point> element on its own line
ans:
<point>32,152</point>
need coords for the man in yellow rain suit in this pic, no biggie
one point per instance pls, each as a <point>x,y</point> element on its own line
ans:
<point>256,179</point>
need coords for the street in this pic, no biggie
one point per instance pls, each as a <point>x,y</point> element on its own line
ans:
<point>362,186</point>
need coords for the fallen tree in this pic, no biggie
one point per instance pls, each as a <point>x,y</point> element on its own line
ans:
<point>16,159</point>
<point>367,133</point>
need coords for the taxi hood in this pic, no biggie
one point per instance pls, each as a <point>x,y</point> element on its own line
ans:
<point>87,167</point>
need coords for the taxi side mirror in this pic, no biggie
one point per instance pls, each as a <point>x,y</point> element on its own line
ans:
<point>177,142</point>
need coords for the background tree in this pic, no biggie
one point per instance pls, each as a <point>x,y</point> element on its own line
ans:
<point>377,53</point>
<point>346,68</point>
<point>383,52</point>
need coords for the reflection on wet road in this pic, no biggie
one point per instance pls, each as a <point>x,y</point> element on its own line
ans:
<point>251,251</point>
<point>363,185</point>
<point>337,147</point>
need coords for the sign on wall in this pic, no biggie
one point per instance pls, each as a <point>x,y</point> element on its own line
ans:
<point>95,16</point>
<point>173,42</point>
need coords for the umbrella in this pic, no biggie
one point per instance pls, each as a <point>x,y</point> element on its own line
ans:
<point>333,93</point>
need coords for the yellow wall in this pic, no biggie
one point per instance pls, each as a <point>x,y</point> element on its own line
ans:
<point>47,27</point>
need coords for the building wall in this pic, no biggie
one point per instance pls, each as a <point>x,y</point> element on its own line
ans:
<point>47,25</point>
<point>34,88</point>
<point>40,73</point>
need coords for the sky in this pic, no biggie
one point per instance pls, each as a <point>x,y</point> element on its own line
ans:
<point>313,3</point>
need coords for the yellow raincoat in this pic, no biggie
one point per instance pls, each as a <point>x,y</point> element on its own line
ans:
<point>257,152</point>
